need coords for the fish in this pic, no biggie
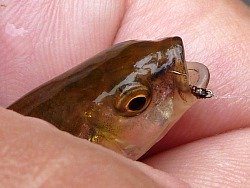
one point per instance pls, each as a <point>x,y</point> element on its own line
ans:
<point>125,98</point>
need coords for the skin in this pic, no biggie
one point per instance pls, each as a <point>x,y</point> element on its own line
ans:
<point>215,33</point>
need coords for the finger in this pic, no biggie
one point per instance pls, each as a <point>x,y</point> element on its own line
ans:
<point>220,161</point>
<point>156,13</point>
<point>34,153</point>
<point>216,33</point>
<point>41,39</point>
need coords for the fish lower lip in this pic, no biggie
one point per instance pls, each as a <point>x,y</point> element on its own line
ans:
<point>116,144</point>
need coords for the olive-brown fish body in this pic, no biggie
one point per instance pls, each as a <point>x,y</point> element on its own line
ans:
<point>125,98</point>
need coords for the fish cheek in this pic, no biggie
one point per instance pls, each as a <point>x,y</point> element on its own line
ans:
<point>112,130</point>
<point>161,112</point>
<point>103,121</point>
<point>169,100</point>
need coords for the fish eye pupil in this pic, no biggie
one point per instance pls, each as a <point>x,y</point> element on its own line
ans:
<point>137,103</point>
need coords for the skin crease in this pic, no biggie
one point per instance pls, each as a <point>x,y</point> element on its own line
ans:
<point>43,39</point>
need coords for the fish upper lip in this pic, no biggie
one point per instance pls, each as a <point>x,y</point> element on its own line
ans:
<point>203,74</point>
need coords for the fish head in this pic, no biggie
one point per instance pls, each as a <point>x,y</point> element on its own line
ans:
<point>147,95</point>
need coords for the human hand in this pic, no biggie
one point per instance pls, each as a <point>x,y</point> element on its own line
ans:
<point>41,39</point>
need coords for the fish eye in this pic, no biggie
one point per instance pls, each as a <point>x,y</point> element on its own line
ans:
<point>132,99</point>
<point>137,103</point>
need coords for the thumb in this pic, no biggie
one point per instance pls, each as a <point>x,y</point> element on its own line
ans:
<point>35,153</point>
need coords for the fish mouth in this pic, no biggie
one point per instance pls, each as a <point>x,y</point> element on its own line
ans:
<point>198,74</point>
<point>199,77</point>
